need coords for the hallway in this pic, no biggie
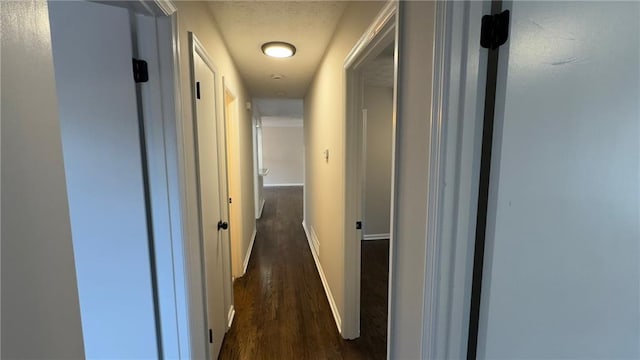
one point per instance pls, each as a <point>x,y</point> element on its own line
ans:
<point>281,308</point>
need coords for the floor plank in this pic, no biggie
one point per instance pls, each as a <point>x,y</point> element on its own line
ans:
<point>281,309</point>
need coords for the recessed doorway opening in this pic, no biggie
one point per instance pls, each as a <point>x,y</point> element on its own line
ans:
<point>370,132</point>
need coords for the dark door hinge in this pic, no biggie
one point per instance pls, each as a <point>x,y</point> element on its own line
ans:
<point>358,225</point>
<point>140,71</point>
<point>229,200</point>
<point>495,30</point>
<point>197,89</point>
<point>210,336</point>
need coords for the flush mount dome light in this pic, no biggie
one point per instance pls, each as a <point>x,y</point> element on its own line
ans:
<point>278,49</point>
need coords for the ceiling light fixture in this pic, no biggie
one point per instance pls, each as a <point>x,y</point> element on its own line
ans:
<point>278,49</point>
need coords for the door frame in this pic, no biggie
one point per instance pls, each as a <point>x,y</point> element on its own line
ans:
<point>459,77</point>
<point>223,168</point>
<point>232,159</point>
<point>376,38</point>
<point>196,47</point>
<point>452,145</point>
<point>156,32</point>
<point>181,315</point>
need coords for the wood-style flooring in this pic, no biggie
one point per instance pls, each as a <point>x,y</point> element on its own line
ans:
<point>282,311</point>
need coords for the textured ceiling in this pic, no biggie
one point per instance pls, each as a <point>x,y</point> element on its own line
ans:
<point>246,25</point>
<point>379,72</point>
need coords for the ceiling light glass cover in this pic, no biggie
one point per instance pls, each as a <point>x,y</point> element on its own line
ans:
<point>278,49</point>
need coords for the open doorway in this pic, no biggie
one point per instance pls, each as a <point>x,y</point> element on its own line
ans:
<point>370,128</point>
<point>281,142</point>
<point>233,182</point>
<point>377,126</point>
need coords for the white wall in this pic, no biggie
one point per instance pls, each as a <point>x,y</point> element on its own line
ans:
<point>324,122</point>
<point>377,179</point>
<point>40,308</point>
<point>562,259</point>
<point>283,153</point>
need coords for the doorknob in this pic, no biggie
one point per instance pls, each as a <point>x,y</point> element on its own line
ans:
<point>222,225</point>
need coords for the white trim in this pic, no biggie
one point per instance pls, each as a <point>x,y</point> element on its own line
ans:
<point>363,163</point>
<point>230,316</point>
<point>224,189</point>
<point>376,237</point>
<point>232,142</point>
<point>378,36</point>
<point>315,242</point>
<point>393,228</point>
<point>261,208</point>
<point>182,219</point>
<point>257,186</point>
<point>157,108</point>
<point>167,7</point>
<point>312,238</point>
<point>459,72</point>
<point>247,257</point>
<point>153,8</point>
<point>196,47</point>
<point>306,230</point>
<point>379,24</point>
<point>188,312</point>
<point>435,210</point>
<point>282,185</point>
<point>325,284</point>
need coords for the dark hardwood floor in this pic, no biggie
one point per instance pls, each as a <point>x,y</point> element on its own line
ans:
<point>281,308</point>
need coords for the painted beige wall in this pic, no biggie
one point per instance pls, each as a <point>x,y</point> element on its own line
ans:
<point>377,182</point>
<point>324,117</point>
<point>40,308</point>
<point>197,18</point>
<point>283,154</point>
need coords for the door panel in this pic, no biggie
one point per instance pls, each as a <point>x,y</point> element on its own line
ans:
<point>210,201</point>
<point>92,52</point>
<point>561,275</point>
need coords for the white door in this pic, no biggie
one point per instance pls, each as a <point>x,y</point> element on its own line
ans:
<point>562,258</point>
<point>92,51</point>
<point>205,87</point>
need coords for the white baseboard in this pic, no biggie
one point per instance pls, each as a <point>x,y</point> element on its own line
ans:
<point>325,284</point>
<point>315,242</point>
<point>280,185</point>
<point>230,316</point>
<point>306,231</point>
<point>249,250</point>
<point>261,209</point>
<point>376,237</point>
